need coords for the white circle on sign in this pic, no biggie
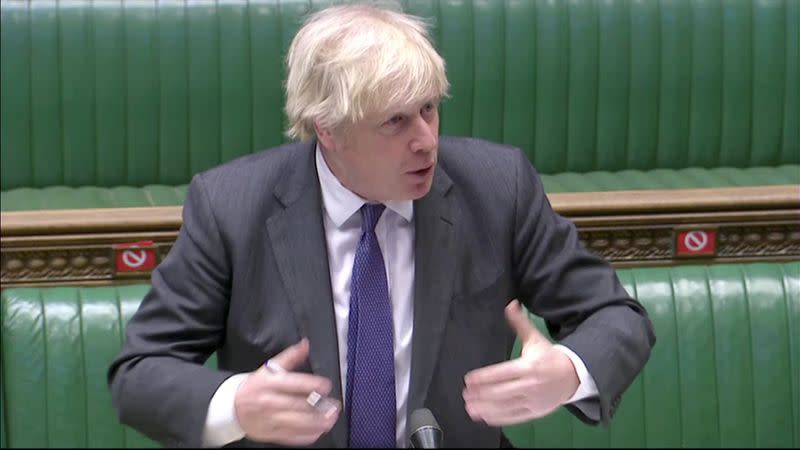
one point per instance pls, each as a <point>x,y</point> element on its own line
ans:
<point>695,240</point>
<point>134,258</point>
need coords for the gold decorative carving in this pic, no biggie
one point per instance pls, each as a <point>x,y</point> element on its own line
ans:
<point>629,244</point>
<point>754,240</point>
<point>55,264</point>
<point>635,228</point>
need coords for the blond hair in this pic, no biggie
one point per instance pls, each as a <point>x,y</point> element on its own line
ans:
<point>348,61</point>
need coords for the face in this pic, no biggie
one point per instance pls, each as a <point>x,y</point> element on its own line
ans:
<point>386,157</point>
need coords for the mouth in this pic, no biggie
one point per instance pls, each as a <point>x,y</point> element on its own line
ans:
<point>422,172</point>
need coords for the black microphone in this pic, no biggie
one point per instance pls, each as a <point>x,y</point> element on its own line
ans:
<point>425,431</point>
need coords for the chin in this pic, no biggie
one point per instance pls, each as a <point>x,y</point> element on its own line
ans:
<point>419,191</point>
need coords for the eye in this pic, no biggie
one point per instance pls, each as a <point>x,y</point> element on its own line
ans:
<point>428,109</point>
<point>394,120</point>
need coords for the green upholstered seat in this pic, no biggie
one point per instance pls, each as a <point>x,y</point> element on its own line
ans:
<point>65,197</point>
<point>723,372</point>
<point>136,94</point>
<point>57,344</point>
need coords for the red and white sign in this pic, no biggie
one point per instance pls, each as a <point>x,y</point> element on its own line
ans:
<point>696,243</point>
<point>135,256</point>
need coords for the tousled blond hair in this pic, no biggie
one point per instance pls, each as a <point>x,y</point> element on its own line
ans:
<point>349,61</point>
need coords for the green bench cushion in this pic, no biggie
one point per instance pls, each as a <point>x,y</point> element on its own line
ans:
<point>149,93</point>
<point>63,197</point>
<point>57,344</point>
<point>723,372</point>
<point>671,179</point>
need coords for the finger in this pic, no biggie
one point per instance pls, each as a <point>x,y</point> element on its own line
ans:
<point>324,406</point>
<point>296,430</point>
<point>484,404</point>
<point>296,383</point>
<point>301,439</point>
<point>504,415</point>
<point>480,411</point>
<point>517,317</point>
<point>303,422</point>
<point>489,401</point>
<point>502,392</point>
<point>497,373</point>
<point>289,402</point>
<point>292,356</point>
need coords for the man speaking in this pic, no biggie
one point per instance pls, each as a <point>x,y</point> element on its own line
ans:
<point>372,269</point>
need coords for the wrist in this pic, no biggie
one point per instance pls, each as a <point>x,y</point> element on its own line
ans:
<point>222,425</point>
<point>571,375</point>
<point>569,381</point>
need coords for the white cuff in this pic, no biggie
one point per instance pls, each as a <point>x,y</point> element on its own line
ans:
<point>222,427</point>
<point>587,387</point>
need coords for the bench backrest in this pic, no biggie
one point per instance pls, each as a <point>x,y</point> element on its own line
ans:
<point>723,373</point>
<point>144,92</point>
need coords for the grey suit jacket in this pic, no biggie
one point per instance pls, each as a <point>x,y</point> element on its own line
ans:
<point>248,276</point>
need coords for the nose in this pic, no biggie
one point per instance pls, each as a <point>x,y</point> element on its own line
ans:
<point>425,134</point>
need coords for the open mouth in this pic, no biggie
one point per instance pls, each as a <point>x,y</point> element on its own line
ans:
<point>422,172</point>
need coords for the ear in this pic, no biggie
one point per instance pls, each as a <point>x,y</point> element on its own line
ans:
<point>325,136</point>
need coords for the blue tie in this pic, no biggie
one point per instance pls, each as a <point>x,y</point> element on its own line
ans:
<point>370,402</point>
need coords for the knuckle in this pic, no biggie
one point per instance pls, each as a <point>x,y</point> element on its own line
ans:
<point>528,364</point>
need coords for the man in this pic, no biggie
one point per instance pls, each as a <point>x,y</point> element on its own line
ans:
<point>375,268</point>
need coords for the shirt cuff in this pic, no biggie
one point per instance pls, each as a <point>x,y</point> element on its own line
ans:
<point>222,427</point>
<point>587,387</point>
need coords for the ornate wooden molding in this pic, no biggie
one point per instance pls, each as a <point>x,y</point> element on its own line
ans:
<point>628,228</point>
<point>657,244</point>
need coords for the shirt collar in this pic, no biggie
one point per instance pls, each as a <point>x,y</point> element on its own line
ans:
<point>341,203</point>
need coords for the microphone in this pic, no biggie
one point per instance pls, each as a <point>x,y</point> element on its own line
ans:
<point>425,431</point>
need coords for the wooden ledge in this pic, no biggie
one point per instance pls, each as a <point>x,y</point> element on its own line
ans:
<point>98,220</point>
<point>676,200</point>
<point>627,228</point>
<point>572,205</point>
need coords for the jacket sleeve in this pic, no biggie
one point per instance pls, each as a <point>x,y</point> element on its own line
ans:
<point>159,383</point>
<point>579,297</point>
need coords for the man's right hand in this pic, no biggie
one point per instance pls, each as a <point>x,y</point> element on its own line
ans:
<point>272,407</point>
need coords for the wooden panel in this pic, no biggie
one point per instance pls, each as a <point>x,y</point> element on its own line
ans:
<point>630,228</point>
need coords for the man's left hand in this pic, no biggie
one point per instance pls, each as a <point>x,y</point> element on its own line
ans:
<point>522,389</point>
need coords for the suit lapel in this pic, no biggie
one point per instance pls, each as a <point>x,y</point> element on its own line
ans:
<point>434,249</point>
<point>297,236</point>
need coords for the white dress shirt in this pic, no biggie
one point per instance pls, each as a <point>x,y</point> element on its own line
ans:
<point>395,232</point>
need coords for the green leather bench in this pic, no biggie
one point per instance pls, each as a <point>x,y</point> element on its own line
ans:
<point>725,371</point>
<point>116,104</point>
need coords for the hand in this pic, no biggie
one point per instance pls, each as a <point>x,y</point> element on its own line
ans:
<point>272,407</point>
<point>526,388</point>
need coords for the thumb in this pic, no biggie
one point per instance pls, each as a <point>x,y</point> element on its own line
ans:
<point>521,324</point>
<point>292,356</point>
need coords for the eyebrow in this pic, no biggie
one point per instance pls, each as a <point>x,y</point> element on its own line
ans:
<point>393,111</point>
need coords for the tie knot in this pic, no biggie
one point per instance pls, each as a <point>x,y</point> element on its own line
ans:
<point>370,213</point>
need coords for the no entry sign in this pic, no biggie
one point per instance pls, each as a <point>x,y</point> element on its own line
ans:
<point>698,242</point>
<point>135,256</point>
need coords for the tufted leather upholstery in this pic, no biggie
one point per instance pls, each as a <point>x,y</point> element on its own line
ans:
<point>132,94</point>
<point>722,374</point>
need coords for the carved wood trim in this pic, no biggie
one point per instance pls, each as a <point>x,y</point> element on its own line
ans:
<point>631,228</point>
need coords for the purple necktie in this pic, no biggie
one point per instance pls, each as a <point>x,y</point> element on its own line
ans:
<point>370,402</point>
